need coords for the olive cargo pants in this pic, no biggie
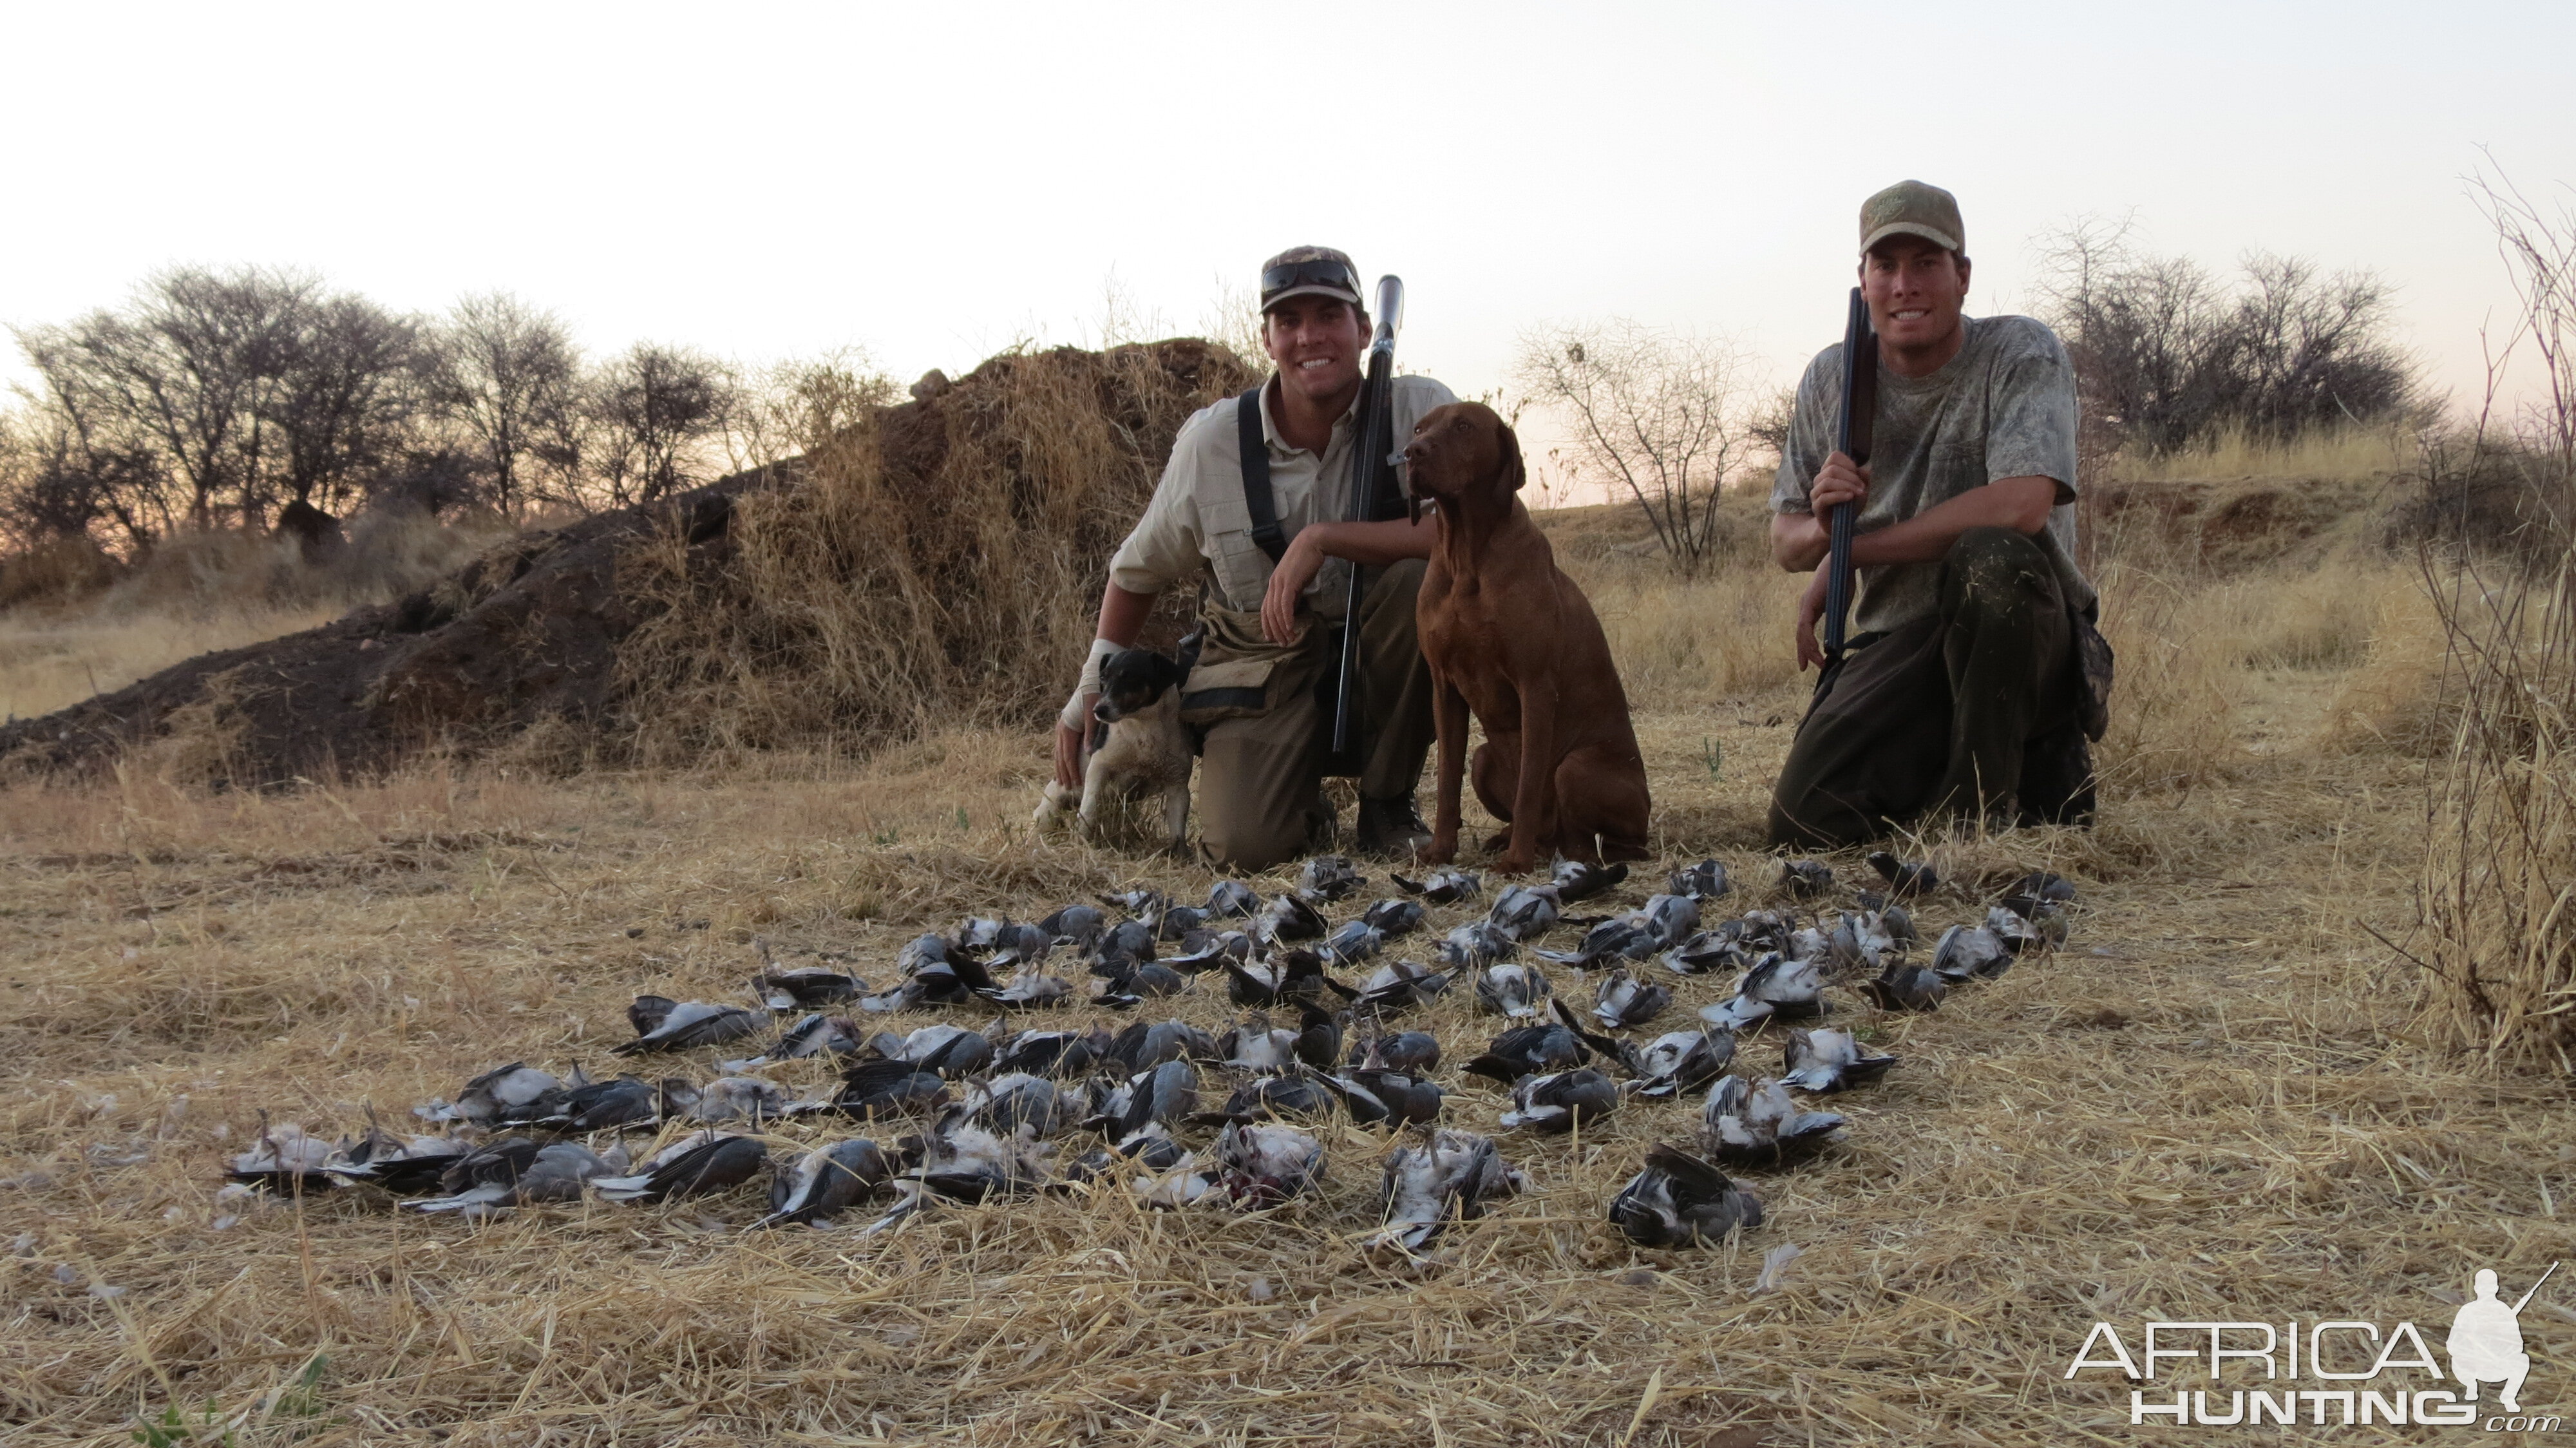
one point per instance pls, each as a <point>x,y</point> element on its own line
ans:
<point>1261,797</point>
<point>1972,711</point>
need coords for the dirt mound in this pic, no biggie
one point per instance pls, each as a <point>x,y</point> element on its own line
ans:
<point>917,516</point>
<point>2229,525</point>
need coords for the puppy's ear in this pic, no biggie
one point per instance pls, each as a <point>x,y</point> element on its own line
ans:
<point>1168,674</point>
<point>1514,473</point>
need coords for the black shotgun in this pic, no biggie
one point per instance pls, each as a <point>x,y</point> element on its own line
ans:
<point>1374,495</point>
<point>1851,439</point>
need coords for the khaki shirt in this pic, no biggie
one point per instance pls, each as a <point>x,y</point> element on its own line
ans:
<point>1198,524</point>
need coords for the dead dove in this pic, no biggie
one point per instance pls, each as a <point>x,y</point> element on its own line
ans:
<point>1159,1097</point>
<point>1319,1038</point>
<point>805,987</point>
<point>1256,1045</point>
<point>1178,921</point>
<point>1626,936</point>
<point>1525,912</point>
<point>1905,987</point>
<point>1561,1101</point>
<point>1262,1164</point>
<point>2039,887</point>
<point>1681,1201</point>
<point>1022,1102</point>
<point>1805,879</point>
<point>1826,1060</point>
<point>1443,887</point>
<point>697,1165</point>
<point>886,1088</point>
<point>961,1161</point>
<point>555,1173</point>
<point>607,1105</point>
<point>1027,987</point>
<point>1971,952</point>
<point>1621,1001</point>
<point>1144,905</point>
<point>826,1182</point>
<point>1125,942</point>
<point>1703,881</point>
<point>1412,1052</point>
<point>1142,1047</point>
<point>1679,1061</point>
<point>1125,986</point>
<point>1450,1176</point>
<point>1288,918</point>
<point>1386,1098</point>
<point>737,1098</point>
<point>1393,916</point>
<point>1399,985</point>
<point>1272,1098</point>
<point>1707,951</point>
<point>1752,1125</point>
<point>666,1025</point>
<point>1904,881</point>
<point>943,1050</point>
<point>1328,878</point>
<point>2031,934</point>
<point>284,1160</point>
<point>1075,925</point>
<point>1061,1054</point>
<point>1529,1051</point>
<point>405,1169</point>
<point>1576,880</point>
<point>1471,947</point>
<point>1512,989</point>
<point>1287,977</point>
<point>1776,985</point>
<point>815,1035</point>
<point>1232,899</point>
<point>1353,942</point>
<point>488,1095</point>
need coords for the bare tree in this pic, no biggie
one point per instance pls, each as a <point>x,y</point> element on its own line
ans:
<point>507,375</point>
<point>649,411</point>
<point>792,408</point>
<point>184,371</point>
<point>1662,414</point>
<point>2166,353</point>
<point>343,401</point>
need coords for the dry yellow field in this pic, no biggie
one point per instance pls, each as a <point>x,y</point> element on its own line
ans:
<point>2210,1106</point>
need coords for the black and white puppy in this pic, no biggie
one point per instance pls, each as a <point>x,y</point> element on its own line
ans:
<point>1136,746</point>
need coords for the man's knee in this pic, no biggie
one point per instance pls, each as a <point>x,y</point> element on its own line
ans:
<point>1994,571</point>
<point>1251,844</point>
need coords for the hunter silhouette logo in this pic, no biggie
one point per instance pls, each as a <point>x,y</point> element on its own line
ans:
<point>2486,1341</point>
<point>2332,1371</point>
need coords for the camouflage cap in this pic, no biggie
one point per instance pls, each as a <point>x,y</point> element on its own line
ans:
<point>1911,208</point>
<point>1317,271</point>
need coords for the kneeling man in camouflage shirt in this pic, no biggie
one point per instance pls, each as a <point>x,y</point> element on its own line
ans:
<point>1251,511</point>
<point>1963,691</point>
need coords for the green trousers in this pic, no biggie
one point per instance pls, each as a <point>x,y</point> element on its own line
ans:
<point>1261,779</point>
<point>1971,711</point>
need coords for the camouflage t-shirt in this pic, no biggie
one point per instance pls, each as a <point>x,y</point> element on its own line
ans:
<point>2003,408</point>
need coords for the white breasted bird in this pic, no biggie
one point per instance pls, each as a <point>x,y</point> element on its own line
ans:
<point>1513,989</point>
<point>699,1164</point>
<point>826,1181</point>
<point>1263,1164</point>
<point>1680,1061</point>
<point>662,1024</point>
<point>1449,1176</point>
<point>1827,1060</point>
<point>1561,1101</point>
<point>1443,887</point>
<point>1681,1201</point>
<point>1752,1125</point>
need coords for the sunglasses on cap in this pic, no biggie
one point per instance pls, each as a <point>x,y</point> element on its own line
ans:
<point>1334,274</point>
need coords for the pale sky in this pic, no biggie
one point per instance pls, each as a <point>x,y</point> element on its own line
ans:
<point>767,180</point>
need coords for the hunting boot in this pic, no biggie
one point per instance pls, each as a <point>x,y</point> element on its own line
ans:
<point>1390,830</point>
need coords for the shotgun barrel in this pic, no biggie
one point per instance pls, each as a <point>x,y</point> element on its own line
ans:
<point>1851,439</point>
<point>1374,496</point>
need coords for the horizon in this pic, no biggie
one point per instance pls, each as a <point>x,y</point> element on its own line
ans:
<point>948,209</point>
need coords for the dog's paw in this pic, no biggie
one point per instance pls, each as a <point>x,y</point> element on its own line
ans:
<point>1055,806</point>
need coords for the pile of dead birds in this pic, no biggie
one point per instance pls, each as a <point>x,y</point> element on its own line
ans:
<point>1180,1118</point>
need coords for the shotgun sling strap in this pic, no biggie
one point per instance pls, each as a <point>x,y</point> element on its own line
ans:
<point>1257,499</point>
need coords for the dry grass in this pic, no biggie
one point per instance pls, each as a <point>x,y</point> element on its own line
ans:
<point>2210,1105</point>
<point>202,593</point>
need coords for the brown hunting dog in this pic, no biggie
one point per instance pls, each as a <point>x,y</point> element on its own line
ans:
<point>1510,637</point>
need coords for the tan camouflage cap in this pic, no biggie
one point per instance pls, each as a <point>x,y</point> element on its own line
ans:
<point>1303,271</point>
<point>1911,208</point>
